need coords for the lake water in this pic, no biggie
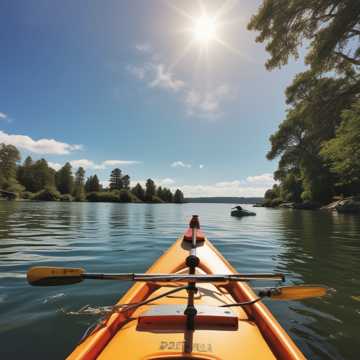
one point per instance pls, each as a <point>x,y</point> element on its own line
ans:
<point>309,247</point>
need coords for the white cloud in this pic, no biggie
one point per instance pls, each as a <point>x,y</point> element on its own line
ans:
<point>85,163</point>
<point>137,71</point>
<point>263,179</point>
<point>176,164</point>
<point>201,166</point>
<point>167,181</point>
<point>120,162</point>
<point>55,166</point>
<point>165,79</point>
<point>3,116</point>
<point>251,186</point>
<point>41,146</point>
<point>105,183</point>
<point>144,47</point>
<point>198,103</point>
<point>89,164</point>
<point>214,190</point>
<point>228,184</point>
<point>206,103</point>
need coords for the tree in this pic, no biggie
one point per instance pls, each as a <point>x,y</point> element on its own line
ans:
<point>65,179</point>
<point>25,173</point>
<point>139,192</point>
<point>116,180</point>
<point>150,190</point>
<point>309,154</point>
<point>330,26</point>
<point>167,195</point>
<point>92,184</point>
<point>126,182</point>
<point>9,156</point>
<point>79,188</point>
<point>343,151</point>
<point>160,193</point>
<point>178,197</point>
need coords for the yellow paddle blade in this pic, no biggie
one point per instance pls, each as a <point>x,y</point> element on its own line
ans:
<point>298,292</point>
<point>51,276</point>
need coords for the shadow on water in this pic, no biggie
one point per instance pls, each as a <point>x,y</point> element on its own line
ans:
<point>322,248</point>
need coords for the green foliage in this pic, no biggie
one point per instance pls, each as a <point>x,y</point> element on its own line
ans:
<point>27,195</point>
<point>66,197</point>
<point>330,27</point>
<point>15,187</point>
<point>164,194</point>
<point>79,187</point>
<point>9,156</point>
<point>178,197</point>
<point>125,196</point>
<point>139,192</point>
<point>126,182</point>
<point>92,184</point>
<point>116,180</point>
<point>36,176</point>
<point>343,151</point>
<point>103,196</point>
<point>155,199</point>
<point>37,181</point>
<point>48,194</point>
<point>65,180</point>
<point>311,140</point>
<point>150,190</point>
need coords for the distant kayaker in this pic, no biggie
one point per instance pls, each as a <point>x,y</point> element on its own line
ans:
<point>239,208</point>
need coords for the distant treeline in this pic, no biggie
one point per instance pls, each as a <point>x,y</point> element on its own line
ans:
<point>225,200</point>
<point>36,180</point>
<point>318,142</point>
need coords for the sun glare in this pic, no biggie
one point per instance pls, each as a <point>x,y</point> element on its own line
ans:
<point>205,29</point>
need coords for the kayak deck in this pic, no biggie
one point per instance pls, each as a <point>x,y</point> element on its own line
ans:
<point>254,335</point>
<point>134,342</point>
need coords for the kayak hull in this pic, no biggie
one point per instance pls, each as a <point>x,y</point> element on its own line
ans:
<point>255,334</point>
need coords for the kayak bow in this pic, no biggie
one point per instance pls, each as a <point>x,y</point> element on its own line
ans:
<point>156,320</point>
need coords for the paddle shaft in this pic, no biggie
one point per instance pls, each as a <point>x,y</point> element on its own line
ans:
<point>182,277</point>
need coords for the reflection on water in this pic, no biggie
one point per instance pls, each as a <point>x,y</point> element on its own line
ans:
<point>309,247</point>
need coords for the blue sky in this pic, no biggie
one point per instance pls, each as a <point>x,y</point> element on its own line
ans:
<point>108,84</point>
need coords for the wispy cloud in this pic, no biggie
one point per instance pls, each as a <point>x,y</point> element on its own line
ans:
<point>201,166</point>
<point>3,116</point>
<point>41,146</point>
<point>138,72</point>
<point>198,103</point>
<point>55,166</point>
<point>177,164</point>
<point>143,47</point>
<point>167,181</point>
<point>89,164</point>
<point>263,179</point>
<point>165,79</point>
<point>206,103</point>
<point>251,186</point>
<point>120,162</point>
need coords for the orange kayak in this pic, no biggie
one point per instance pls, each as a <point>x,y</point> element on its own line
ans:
<point>165,329</point>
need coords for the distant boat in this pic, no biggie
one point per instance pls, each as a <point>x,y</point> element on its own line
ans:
<point>238,211</point>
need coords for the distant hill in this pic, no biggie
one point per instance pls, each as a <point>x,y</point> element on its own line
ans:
<point>225,200</point>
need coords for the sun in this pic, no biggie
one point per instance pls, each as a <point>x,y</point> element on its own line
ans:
<point>205,29</point>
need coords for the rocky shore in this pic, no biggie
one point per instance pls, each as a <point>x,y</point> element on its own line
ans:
<point>350,205</point>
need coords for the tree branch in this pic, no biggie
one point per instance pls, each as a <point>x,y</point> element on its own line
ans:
<point>348,58</point>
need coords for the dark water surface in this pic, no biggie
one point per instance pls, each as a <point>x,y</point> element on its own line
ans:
<point>309,247</point>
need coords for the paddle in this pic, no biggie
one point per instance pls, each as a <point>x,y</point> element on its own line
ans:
<point>50,276</point>
<point>297,292</point>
